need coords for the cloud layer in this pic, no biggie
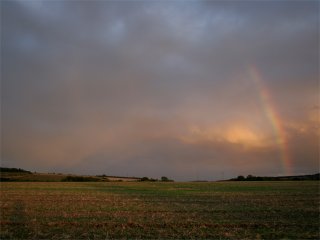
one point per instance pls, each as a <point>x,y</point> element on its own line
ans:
<point>158,88</point>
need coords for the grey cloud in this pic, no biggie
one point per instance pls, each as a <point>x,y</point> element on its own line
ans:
<point>95,82</point>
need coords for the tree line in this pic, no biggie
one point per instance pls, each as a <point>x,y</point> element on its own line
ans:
<point>280,178</point>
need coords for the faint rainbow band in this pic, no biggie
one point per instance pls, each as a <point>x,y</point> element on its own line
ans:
<point>273,117</point>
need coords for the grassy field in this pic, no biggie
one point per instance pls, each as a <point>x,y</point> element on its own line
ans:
<point>135,210</point>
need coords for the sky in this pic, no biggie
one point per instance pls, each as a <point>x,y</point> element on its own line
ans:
<point>191,90</point>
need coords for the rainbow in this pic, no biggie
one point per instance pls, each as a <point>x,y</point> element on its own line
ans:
<point>273,117</point>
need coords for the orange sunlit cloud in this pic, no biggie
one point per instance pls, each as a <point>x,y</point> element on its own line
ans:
<point>233,134</point>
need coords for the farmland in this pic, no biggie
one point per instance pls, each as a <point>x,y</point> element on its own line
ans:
<point>135,210</point>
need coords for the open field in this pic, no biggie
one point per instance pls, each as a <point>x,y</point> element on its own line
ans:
<point>106,210</point>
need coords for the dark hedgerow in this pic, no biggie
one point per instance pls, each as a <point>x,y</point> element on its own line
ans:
<point>13,170</point>
<point>79,179</point>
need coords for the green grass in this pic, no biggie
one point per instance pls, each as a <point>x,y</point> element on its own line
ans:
<point>149,210</point>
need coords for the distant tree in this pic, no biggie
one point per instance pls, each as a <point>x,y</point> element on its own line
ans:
<point>315,177</point>
<point>240,178</point>
<point>250,177</point>
<point>144,179</point>
<point>164,179</point>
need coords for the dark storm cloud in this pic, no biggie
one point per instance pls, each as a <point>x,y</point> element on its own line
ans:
<point>157,87</point>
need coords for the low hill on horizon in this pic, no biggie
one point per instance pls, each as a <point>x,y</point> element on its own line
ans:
<point>21,175</point>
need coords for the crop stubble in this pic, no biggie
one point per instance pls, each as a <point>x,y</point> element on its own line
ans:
<point>224,210</point>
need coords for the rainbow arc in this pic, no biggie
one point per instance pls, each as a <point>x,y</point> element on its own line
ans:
<point>273,117</point>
